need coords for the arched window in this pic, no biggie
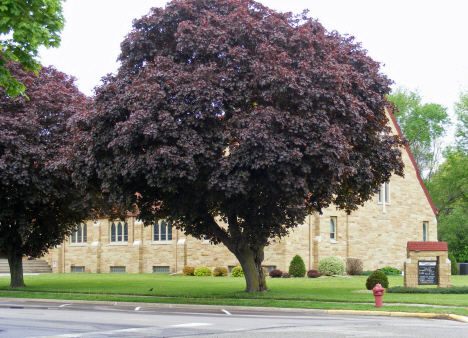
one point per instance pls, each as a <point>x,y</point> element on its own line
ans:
<point>113,232</point>
<point>425,231</point>
<point>78,234</point>
<point>333,228</point>
<point>162,231</point>
<point>119,232</point>
<point>384,194</point>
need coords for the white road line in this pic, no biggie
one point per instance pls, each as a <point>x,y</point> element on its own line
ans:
<point>191,324</point>
<point>137,308</point>
<point>112,332</point>
<point>226,311</point>
<point>63,305</point>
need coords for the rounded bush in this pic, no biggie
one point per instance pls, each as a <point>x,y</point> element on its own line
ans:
<point>286,275</point>
<point>313,274</point>
<point>389,271</point>
<point>237,272</point>
<point>202,271</point>
<point>188,270</point>
<point>276,273</point>
<point>297,267</point>
<point>220,272</point>
<point>454,263</point>
<point>376,277</point>
<point>332,265</point>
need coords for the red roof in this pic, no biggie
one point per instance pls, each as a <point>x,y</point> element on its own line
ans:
<point>427,246</point>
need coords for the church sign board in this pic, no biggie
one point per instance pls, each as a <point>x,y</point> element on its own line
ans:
<point>427,263</point>
<point>427,272</point>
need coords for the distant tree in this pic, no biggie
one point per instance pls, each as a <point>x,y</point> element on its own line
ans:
<point>461,109</point>
<point>449,186</point>
<point>453,229</point>
<point>423,125</point>
<point>235,121</point>
<point>449,192</point>
<point>24,26</point>
<point>39,203</point>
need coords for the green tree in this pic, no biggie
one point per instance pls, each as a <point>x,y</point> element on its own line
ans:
<point>453,229</point>
<point>461,109</point>
<point>24,26</point>
<point>423,125</point>
<point>235,122</point>
<point>449,186</point>
<point>449,192</point>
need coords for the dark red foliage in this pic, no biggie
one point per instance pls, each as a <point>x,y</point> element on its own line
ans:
<point>313,274</point>
<point>275,273</point>
<point>39,203</point>
<point>227,109</point>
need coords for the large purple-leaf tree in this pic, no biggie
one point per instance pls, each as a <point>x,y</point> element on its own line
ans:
<point>39,202</point>
<point>235,122</point>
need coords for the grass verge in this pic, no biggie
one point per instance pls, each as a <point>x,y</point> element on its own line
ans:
<point>310,293</point>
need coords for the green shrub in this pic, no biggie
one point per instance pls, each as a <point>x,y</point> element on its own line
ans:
<point>220,272</point>
<point>276,273</point>
<point>463,255</point>
<point>332,265</point>
<point>353,267</point>
<point>297,267</point>
<point>202,271</point>
<point>389,271</point>
<point>376,277</point>
<point>366,273</point>
<point>450,290</point>
<point>237,272</point>
<point>454,263</point>
<point>188,270</point>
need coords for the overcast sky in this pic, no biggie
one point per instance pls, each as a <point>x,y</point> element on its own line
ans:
<point>421,44</point>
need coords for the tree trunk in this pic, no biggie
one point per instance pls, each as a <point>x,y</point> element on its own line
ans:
<point>251,259</point>
<point>15,260</point>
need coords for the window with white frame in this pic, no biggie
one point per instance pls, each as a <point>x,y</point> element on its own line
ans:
<point>425,230</point>
<point>119,232</point>
<point>384,194</point>
<point>162,231</point>
<point>79,234</point>
<point>333,228</point>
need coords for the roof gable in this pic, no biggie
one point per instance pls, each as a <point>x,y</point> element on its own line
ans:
<point>414,163</point>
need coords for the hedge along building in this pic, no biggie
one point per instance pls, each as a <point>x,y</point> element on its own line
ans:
<point>377,234</point>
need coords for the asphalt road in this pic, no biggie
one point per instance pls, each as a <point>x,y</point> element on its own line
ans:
<point>25,318</point>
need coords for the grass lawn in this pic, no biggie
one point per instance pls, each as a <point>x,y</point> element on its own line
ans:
<point>284,292</point>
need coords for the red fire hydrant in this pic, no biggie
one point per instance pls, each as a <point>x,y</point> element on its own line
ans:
<point>378,291</point>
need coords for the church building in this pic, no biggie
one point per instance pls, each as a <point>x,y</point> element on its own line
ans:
<point>376,233</point>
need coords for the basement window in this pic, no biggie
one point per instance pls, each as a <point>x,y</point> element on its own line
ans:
<point>161,269</point>
<point>117,269</point>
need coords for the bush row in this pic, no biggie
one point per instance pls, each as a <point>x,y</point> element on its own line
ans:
<point>328,266</point>
<point>204,271</point>
<point>450,290</point>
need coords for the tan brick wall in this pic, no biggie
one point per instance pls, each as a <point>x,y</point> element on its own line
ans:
<point>376,235</point>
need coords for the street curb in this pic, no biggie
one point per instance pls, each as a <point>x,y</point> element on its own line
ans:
<point>400,314</point>
<point>249,308</point>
